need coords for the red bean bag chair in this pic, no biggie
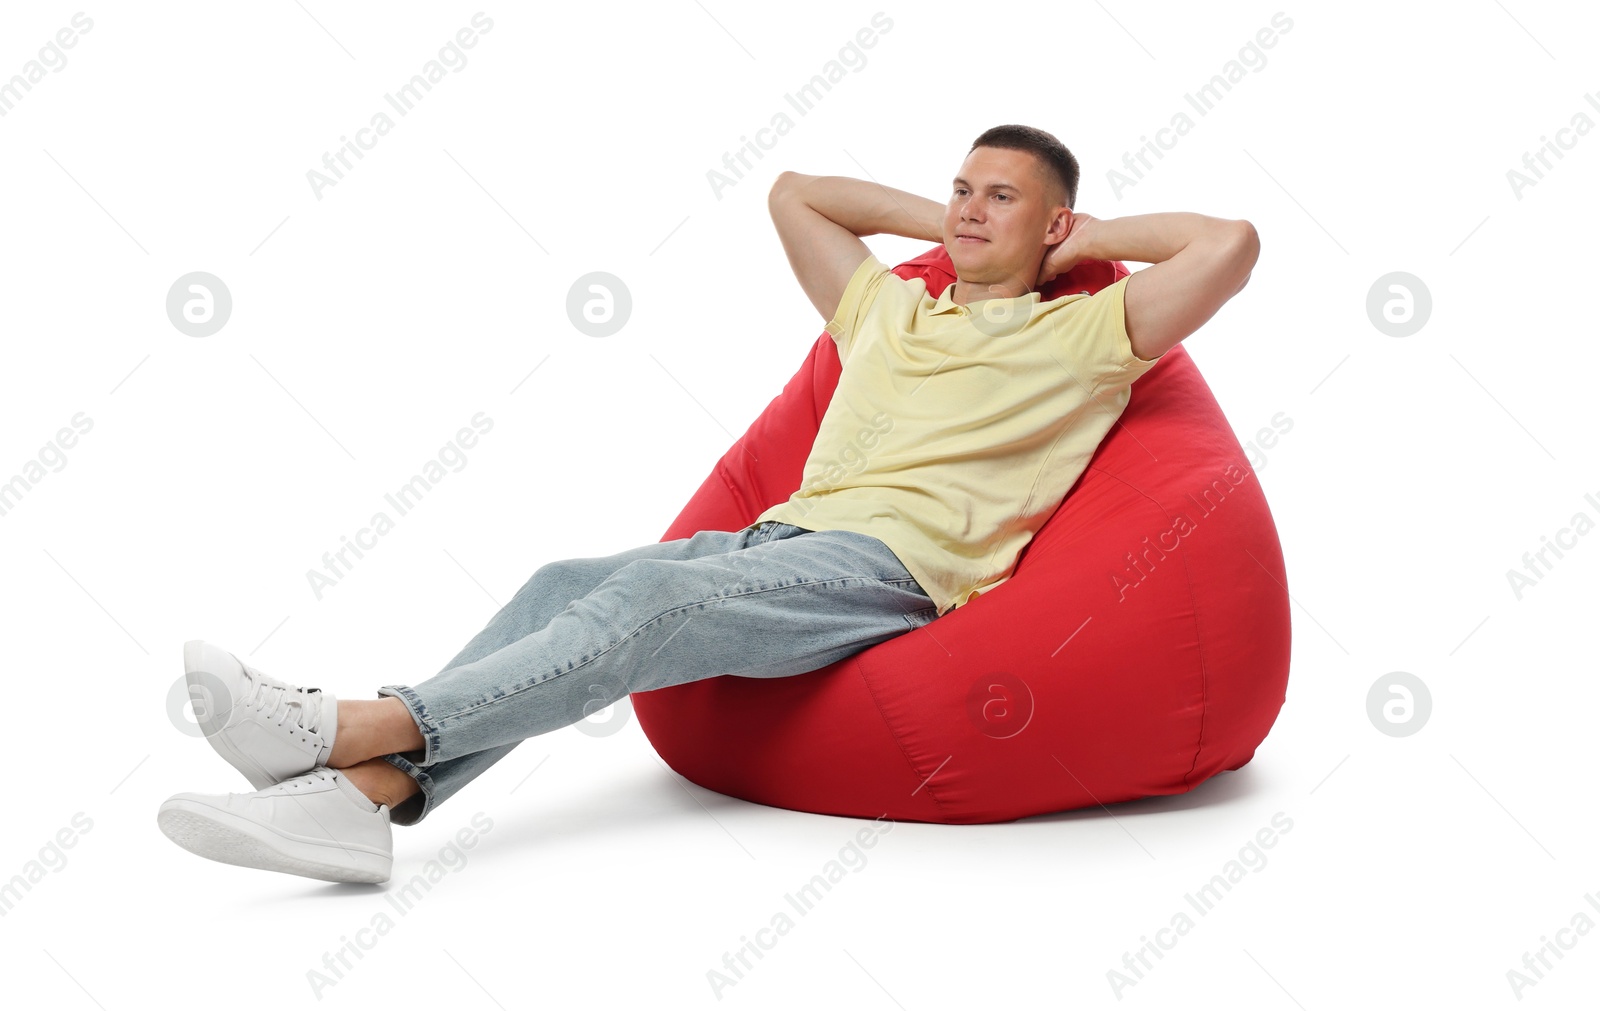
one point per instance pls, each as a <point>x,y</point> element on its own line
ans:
<point>1140,647</point>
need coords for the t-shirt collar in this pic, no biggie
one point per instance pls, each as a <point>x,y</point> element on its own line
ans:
<point>945,303</point>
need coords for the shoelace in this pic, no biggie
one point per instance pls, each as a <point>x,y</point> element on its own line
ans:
<point>276,702</point>
<point>310,778</point>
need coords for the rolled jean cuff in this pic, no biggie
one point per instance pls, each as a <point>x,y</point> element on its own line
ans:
<point>419,712</point>
<point>416,807</point>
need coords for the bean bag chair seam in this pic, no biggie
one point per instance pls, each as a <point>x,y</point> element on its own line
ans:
<point>733,490</point>
<point>1205,670</point>
<point>894,734</point>
<point>1194,608</point>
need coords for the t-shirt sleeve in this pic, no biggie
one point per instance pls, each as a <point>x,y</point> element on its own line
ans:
<point>1104,320</point>
<point>863,287</point>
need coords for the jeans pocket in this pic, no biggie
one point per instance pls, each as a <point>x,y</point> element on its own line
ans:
<point>917,619</point>
<point>773,530</point>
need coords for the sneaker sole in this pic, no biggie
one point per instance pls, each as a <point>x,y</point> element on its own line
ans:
<point>229,839</point>
<point>201,657</point>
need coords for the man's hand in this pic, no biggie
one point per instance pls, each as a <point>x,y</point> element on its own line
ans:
<point>820,220</point>
<point>1069,252</point>
<point>1196,263</point>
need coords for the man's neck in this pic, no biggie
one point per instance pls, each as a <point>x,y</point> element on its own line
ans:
<point>967,292</point>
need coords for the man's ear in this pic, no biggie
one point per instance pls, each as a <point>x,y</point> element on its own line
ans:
<point>1060,222</point>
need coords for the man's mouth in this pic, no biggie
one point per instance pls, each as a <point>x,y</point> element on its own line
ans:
<point>969,238</point>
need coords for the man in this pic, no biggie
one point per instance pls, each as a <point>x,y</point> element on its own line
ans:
<point>958,425</point>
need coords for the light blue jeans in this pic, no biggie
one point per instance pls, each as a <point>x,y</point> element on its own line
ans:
<point>771,600</point>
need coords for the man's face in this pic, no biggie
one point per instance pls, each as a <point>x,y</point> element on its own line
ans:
<point>1000,198</point>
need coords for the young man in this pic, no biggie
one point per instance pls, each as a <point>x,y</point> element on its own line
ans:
<point>984,405</point>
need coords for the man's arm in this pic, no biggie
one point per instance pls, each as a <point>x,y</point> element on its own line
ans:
<point>820,220</point>
<point>1197,264</point>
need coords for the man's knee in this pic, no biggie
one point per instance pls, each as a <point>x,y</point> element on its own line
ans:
<point>651,587</point>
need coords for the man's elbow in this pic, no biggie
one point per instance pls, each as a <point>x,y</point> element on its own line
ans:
<point>1244,250</point>
<point>784,185</point>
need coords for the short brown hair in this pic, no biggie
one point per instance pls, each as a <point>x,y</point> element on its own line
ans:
<point>1052,154</point>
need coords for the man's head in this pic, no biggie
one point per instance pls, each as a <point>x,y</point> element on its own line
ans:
<point>1015,191</point>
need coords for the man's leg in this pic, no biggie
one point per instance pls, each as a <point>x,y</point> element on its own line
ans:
<point>555,585</point>
<point>787,602</point>
<point>384,728</point>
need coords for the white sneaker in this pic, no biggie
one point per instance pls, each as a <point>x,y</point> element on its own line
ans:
<point>268,730</point>
<point>317,825</point>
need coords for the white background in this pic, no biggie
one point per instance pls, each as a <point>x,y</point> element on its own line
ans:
<point>430,284</point>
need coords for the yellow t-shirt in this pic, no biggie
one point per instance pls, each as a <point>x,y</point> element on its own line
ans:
<point>955,432</point>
